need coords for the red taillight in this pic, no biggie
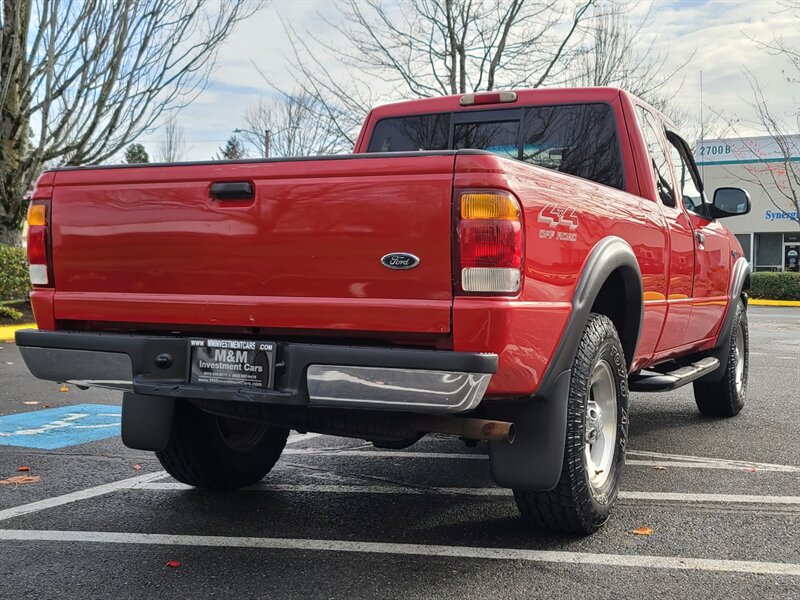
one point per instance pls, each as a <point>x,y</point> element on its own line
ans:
<point>490,242</point>
<point>37,245</point>
<point>38,238</point>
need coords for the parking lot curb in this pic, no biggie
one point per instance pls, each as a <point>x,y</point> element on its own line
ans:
<point>760,302</point>
<point>7,331</point>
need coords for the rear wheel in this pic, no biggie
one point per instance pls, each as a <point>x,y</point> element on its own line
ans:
<point>597,430</point>
<point>213,452</point>
<point>726,397</point>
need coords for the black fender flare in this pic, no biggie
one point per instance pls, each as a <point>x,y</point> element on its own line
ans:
<point>608,255</point>
<point>740,275</point>
<point>534,460</point>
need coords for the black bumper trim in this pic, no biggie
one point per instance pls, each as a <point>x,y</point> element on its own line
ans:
<point>290,378</point>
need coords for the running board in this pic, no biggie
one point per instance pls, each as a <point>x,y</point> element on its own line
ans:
<point>664,382</point>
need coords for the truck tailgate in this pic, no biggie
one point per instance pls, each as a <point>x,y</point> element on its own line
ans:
<point>151,244</point>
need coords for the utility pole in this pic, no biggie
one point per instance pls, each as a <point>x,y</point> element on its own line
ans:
<point>268,133</point>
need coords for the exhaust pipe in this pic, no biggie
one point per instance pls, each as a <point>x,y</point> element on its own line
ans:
<point>368,425</point>
<point>472,429</point>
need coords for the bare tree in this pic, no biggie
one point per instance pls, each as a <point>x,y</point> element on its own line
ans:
<point>779,46</point>
<point>778,178</point>
<point>421,48</point>
<point>90,76</point>
<point>172,147</point>
<point>295,125</point>
<point>614,56</point>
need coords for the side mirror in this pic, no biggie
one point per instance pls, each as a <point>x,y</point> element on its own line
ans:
<point>730,202</point>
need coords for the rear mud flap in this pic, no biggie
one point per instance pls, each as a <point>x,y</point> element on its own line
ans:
<point>146,421</point>
<point>533,462</point>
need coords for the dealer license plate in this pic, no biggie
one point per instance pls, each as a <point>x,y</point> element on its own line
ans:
<point>232,362</point>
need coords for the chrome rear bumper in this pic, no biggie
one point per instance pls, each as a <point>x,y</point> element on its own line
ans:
<point>415,390</point>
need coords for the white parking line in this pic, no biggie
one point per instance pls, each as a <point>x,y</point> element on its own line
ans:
<point>100,490</point>
<point>720,461</point>
<point>673,460</point>
<point>107,488</point>
<point>301,437</point>
<point>675,464</point>
<point>724,498</point>
<point>684,563</point>
<point>483,491</point>
<point>670,460</point>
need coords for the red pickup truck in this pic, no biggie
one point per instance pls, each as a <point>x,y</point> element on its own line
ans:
<point>500,266</point>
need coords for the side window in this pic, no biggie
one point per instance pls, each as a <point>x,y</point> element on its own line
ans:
<point>658,155</point>
<point>688,185</point>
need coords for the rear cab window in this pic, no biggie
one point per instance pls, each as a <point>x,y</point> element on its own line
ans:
<point>576,139</point>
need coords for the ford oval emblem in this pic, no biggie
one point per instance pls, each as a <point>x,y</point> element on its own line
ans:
<point>400,260</point>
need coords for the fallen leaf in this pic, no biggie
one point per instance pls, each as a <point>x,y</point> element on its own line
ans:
<point>18,479</point>
<point>31,402</point>
<point>63,388</point>
<point>20,469</point>
<point>173,564</point>
<point>137,467</point>
<point>659,468</point>
<point>750,469</point>
<point>643,531</point>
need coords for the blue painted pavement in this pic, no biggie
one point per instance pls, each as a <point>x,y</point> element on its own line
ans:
<point>53,428</point>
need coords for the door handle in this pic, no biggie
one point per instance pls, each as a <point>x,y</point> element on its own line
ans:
<point>700,237</point>
<point>232,190</point>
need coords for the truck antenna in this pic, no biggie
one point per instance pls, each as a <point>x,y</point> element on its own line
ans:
<point>702,128</point>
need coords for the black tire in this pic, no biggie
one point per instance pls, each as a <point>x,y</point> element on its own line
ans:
<point>581,502</point>
<point>219,453</point>
<point>726,397</point>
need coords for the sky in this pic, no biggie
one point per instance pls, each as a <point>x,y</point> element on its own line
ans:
<point>711,34</point>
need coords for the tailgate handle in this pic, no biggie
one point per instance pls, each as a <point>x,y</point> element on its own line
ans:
<point>232,190</point>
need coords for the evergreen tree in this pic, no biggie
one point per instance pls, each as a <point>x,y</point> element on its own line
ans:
<point>135,153</point>
<point>233,150</point>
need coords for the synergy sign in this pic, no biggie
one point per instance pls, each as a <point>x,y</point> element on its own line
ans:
<point>777,215</point>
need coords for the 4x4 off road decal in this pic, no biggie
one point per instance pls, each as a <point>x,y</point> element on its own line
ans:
<point>557,217</point>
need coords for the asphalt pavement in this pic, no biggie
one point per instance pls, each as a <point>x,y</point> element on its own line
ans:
<point>338,518</point>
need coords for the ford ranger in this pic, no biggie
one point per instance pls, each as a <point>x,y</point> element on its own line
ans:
<point>500,266</point>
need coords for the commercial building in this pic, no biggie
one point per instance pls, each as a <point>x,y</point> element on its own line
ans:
<point>770,234</point>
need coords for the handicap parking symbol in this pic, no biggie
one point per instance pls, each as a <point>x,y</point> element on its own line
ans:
<point>54,428</point>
